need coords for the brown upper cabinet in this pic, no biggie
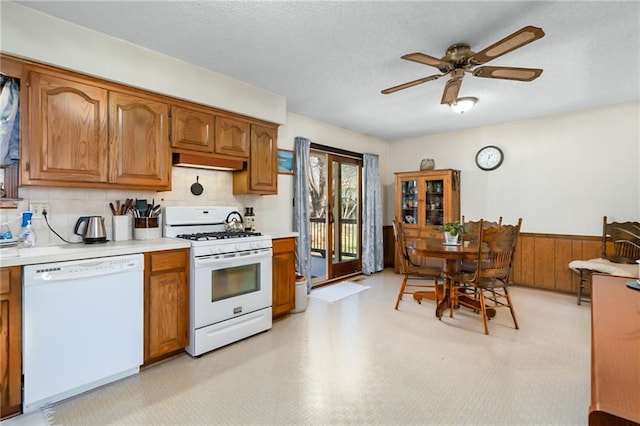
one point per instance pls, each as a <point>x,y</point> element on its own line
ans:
<point>67,128</point>
<point>139,141</point>
<point>82,134</point>
<point>261,175</point>
<point>81,131</point>
<point>200,130</point>
<point>192,129</point>
<point>232,137</point>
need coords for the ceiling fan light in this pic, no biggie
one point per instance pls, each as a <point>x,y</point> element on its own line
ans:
<point>462,105</point>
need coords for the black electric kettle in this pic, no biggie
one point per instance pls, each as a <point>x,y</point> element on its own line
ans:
<point>93,231</point>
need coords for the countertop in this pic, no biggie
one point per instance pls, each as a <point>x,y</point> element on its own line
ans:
<point>281,234</point>
<point>14,256</point>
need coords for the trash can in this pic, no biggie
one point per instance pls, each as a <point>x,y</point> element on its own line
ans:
<point>301,294</point>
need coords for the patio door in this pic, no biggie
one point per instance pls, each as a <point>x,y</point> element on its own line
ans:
<point>335,215</point>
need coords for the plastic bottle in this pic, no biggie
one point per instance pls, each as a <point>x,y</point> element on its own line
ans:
<point>27,235</point>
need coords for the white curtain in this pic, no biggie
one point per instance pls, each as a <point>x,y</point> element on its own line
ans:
<point>372,249</point>
<point>301,207</point>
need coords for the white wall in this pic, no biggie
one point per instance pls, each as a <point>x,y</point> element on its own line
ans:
<point>561,173</point>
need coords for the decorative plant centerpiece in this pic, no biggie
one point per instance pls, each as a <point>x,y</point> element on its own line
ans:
<point>452,231</point>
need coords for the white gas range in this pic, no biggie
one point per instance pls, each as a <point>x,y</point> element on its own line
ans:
<point>230,277</point>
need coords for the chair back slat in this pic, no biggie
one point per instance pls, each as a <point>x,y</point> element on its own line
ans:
<point>496,250</point>
<point>625,239</point>
<point>472,228</point>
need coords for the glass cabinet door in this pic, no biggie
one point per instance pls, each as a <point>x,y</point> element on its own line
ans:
<point>434,198</point>
<point>409,198</point>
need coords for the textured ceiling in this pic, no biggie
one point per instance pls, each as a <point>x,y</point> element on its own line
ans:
<point>331,59</point>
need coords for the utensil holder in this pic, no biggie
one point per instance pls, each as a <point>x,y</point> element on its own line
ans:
<point>146,228</point>
<point>122,226</point>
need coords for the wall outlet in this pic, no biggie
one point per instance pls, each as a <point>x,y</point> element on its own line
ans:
<point>38,208</point>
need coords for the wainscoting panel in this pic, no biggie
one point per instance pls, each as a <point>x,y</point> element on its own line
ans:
<point>542,260</point>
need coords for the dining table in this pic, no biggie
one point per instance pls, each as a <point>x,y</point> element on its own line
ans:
<point>453,254</point>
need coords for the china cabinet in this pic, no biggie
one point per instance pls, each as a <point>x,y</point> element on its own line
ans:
<point>426,200</point>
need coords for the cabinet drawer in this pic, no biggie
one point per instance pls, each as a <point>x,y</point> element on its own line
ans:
<point>282,245</point>
<point>6,279</point>
<point>167,260</point>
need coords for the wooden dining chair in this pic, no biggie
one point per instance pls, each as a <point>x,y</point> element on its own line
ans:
<point>491,277</point>
<point>412,270</point>
<point>472,231</point>
<point>620,244</point>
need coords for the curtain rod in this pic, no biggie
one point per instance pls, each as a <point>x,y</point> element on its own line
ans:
<point>333,150</point>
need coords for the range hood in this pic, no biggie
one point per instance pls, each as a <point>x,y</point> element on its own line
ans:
<point>206,161</point>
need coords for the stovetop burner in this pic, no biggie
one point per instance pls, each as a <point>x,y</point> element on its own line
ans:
<point>220,235</point>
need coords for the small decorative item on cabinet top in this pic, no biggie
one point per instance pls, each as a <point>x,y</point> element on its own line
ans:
<point>427,164</point>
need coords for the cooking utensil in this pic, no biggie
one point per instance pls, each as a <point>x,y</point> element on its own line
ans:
<point>142,205</point>
<point>93,231</point>
<point>196,188</point>
<point>113,209</point>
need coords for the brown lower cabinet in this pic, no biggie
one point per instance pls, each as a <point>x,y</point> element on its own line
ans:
<point>284,276</point>
<point>10,341</point>
<point>166,303</point>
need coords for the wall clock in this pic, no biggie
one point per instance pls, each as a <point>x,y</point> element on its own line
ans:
<point>489,157</point>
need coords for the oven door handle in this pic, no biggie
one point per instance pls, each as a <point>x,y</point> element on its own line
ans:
<point>232,259</point>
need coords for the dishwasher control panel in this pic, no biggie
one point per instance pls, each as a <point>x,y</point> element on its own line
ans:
<point>83,268</point>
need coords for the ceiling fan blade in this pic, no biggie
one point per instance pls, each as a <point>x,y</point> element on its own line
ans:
<point>518,39</point>
<point>411,84</point>
<point>421,58</point>
<point>508,73</point>
<point>451,90</point>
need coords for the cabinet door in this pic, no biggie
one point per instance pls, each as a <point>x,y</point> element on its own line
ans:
<point>232,137</point>
<point>284,276</point>
<point>166,313</point>
<point>263,165</point>
<point>68,130</point>
<point>408,202</point>
<point>434,195</point>
<point>10,340</point>
<point>139,141</point>
<point>191,130</point>
<point>166,303</point>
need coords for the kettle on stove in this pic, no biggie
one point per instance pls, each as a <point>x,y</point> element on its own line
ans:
<point>234,222</point>
<point>93,231</point>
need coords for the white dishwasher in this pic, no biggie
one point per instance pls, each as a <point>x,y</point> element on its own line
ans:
<point>83,326</point>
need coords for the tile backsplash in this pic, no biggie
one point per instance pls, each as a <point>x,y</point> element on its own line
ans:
<point>68,204</point>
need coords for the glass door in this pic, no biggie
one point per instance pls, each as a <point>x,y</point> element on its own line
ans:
<point>410,192</point>
<point>335,215</point>
<point>344,220</point>
<point>434,197</point>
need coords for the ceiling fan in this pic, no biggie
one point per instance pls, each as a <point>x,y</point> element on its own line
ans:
<point>460,59</point>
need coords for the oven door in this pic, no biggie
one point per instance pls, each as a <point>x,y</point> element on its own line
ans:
<point>229,285</point>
